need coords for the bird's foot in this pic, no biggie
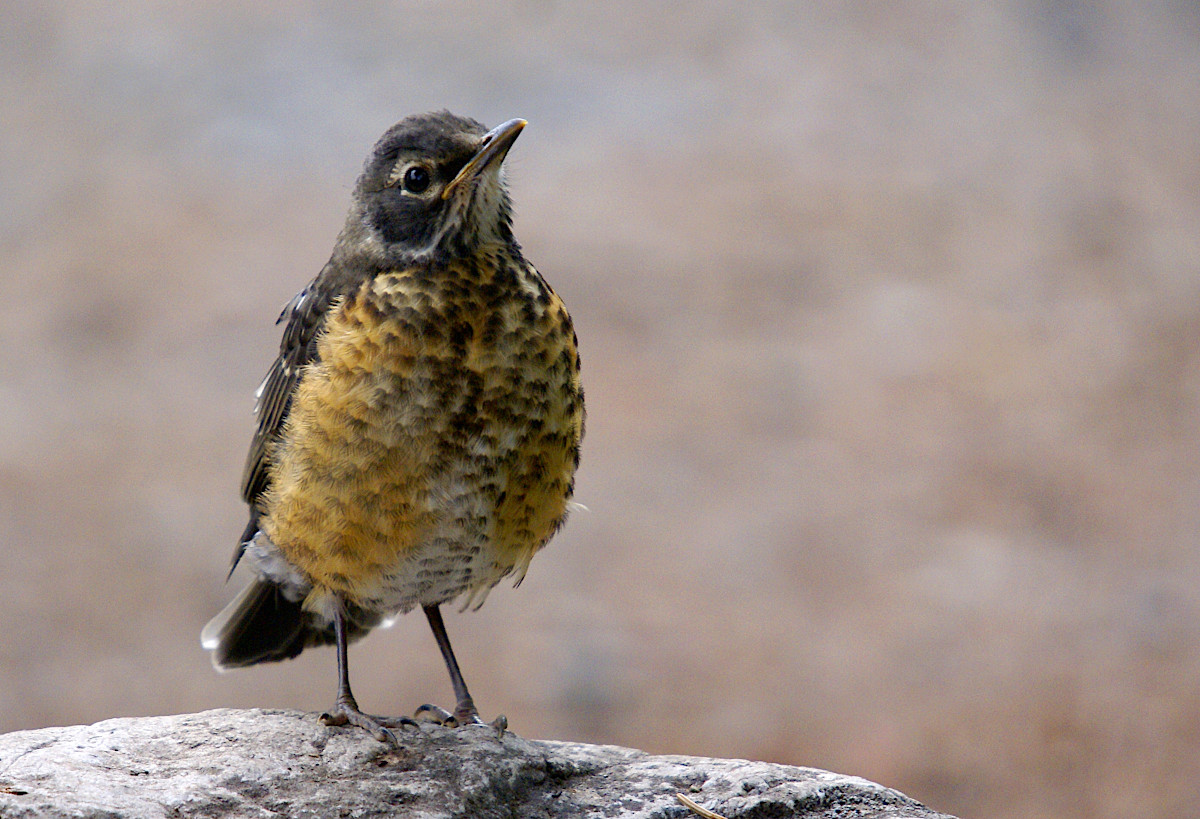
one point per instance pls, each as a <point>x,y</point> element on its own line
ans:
<point>461,716</point>
<point>346,713</point>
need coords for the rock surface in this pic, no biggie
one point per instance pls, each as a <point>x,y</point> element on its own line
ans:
<point>284,763</point>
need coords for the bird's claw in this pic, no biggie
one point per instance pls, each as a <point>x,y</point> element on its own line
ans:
<point>347,713</point>
<point>435,714</point>
<point>440,716</point>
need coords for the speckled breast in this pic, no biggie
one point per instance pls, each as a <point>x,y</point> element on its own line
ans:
<point>431,447</point>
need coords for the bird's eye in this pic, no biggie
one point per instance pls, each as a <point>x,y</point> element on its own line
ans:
<point>416,179</point>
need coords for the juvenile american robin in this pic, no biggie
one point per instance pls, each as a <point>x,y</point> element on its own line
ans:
<point>419,432</point>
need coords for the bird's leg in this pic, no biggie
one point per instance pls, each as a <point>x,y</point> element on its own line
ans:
<point>346,712</point>
<point>465,711</point>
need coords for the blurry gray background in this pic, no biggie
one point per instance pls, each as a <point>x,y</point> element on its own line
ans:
<point>890,322</point>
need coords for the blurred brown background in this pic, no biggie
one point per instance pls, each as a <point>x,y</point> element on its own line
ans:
<point>890,320</point>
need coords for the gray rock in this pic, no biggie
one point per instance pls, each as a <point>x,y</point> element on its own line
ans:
<point>284,763</point>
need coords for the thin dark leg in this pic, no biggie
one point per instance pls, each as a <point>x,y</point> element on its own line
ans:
<point>346,711</point>
<point>344,695</point>
<point>464,708</point>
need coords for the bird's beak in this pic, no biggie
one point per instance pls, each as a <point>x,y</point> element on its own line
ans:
<point>492,151</point>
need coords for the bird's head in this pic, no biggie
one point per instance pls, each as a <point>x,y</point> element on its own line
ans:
<point>434,185</point>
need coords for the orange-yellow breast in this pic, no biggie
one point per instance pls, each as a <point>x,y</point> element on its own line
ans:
<point>431,447</point>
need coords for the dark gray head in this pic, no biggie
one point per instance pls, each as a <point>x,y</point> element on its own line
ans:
<point>434,185</point>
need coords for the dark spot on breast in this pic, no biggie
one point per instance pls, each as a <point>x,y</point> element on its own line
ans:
<point>506,277</point>
<point>460,334</point>
<point>565,359</point>
<point>407,317</point>
<point>492,329</point>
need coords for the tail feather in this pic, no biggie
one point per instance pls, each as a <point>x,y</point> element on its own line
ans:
<point>262,625</point>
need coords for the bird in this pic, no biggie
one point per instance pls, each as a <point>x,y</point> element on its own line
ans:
<point>418,434</point>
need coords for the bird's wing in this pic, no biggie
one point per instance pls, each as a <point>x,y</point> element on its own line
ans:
<point>304,315</point>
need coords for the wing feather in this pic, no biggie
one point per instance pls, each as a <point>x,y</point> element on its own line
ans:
<point>303,318</point>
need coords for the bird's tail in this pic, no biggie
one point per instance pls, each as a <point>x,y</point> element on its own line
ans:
<point>264,625</point>
<point>260,625</point>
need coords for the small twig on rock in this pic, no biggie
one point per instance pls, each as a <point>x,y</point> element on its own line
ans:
<point>696,809</point>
